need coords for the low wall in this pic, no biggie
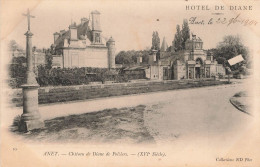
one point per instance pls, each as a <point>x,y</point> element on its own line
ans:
<point>81,92</point>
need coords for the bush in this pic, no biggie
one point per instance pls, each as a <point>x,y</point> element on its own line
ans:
<point>221,76</point>
<point>84,75</point>
<point>17,73</point>
<point>71,76</point>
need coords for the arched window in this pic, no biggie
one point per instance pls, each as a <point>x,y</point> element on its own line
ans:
<point>199,61</point>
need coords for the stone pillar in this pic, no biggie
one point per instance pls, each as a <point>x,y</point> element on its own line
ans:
<point>194,73</point>
<point>111,53</point>
<point>30,118</point>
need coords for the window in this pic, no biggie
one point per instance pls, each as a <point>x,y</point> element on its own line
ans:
<point>97,38</point>
<point>198,61</point>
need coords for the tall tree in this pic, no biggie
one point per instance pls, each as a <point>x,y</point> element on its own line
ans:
<point>181,36</point>
<point>178,39</point>
<point>155,41</point>
<point>185,32</point>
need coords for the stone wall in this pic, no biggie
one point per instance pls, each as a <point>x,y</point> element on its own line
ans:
<point>180,70</point>
<point>87,57</point>
<point>81,92</point>
<point>220,69</point>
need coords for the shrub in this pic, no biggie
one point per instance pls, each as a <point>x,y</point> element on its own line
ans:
<point>221,76</point>
<point>71,76</point>
<point>84,75</point>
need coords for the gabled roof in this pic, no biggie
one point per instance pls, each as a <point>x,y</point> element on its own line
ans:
<point>82,29</point>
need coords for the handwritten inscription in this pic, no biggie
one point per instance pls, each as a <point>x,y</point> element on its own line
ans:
<point>223,20</point>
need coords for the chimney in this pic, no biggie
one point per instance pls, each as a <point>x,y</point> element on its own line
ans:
<point>73,32</point>
<point>56,36</point>
<point>96,20</point>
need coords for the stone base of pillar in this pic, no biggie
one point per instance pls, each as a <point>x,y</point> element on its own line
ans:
<point>30,125</point>
<point>30,118</point>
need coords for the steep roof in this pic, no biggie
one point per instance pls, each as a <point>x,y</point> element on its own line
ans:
<point>82,29</point>
<point>164,45</point>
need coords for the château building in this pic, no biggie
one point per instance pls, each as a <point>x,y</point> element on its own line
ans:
<point>83,45</point>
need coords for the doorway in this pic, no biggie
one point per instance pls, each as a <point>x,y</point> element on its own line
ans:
<point>197,72</point>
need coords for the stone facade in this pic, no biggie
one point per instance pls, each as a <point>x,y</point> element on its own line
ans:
<point>84,46</point>
<point>195,63</point>
<point>190,63</point>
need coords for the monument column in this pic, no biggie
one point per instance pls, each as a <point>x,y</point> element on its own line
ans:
<point>30,118</point>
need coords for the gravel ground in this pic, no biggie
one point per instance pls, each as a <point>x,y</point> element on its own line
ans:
<point>108,126</point>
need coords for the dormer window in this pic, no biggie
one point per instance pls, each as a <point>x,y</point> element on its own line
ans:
<point>97,38</point>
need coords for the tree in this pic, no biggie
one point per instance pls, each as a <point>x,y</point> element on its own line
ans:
<point>124,57</point>
<point>130,57</point>
<point>178,39</point>
<point>181,36</point>
<point>185,32</point>
<point>155,41</point>
<point>49,59</point>
<point>230,47</point>
<point>13,46</point>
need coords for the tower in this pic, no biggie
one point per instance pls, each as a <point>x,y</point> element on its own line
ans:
<point>96,28</point>
<point>111,53</point>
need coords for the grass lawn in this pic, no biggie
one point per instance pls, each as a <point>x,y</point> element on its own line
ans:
<point>108,126</point>
<point>240,101</point>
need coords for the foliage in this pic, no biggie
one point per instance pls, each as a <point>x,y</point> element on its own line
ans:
<point>13,46</point>
<point>155,41</point>
<point>130,57</point>
<point>19,60</point>
<point>78,76</point>
<point>181,36</point>
<point>178,39</point>
<point>49,59</point>
<point>220,75</point>
<point>17,73</point>
<point>230,47</point>
<point>185,32</point>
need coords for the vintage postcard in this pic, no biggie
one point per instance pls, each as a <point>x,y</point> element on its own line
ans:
<point>130,83</point>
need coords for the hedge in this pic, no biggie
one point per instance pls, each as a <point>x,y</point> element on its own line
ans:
<point>70,76</point>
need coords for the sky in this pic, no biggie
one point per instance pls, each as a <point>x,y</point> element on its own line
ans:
<point>131,24</point>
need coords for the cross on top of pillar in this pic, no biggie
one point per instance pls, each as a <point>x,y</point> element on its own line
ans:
<point>28,18</point>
